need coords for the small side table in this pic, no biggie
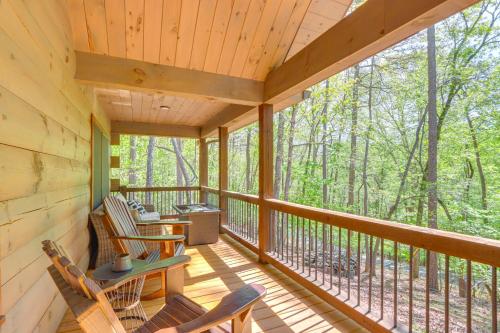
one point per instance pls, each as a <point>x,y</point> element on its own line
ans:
<point>126,300</point>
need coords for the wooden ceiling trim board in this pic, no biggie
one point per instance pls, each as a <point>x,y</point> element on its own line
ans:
<point>146,108</point>
<point>330,9</point>
<point>286,42</point>
<point>153,14</point>
<point>223,117</point>
<point>140,128</point>
<point>330,12</point>
<point>187,27</point>
<point>115,27</point>
<point>253,116</point>
<point>188,109</point>
<point>126,100</point>
<point>114,72</point>
<point>259,42</point>
<point>76,13</point>
<point>318,23</point>
<point>217,34</point>
<point>204,23</point>
<point>169,29</point>
<point>155,109</point>
<point>373,27</point>
<point>280,25</point>
<point>134,10</point>
<point>96,26</point>
<point>136,102</point>
<point>248,31</point>
<point>235,26</point>
<point>301,40</point>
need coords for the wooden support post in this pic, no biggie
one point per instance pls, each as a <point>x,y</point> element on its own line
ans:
<point>123,191</point>
<point>265,176</point>
<point>203,172</point>
<point>223,175</point>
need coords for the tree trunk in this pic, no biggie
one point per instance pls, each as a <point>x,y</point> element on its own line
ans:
<point>472,130</point>
<point>432,200</point>
<point>182,174</point>
<point>367,140</point>
<point>248,160</point>
<point>291,133</point>
<point>365,158</point>
<point>132,174</point>
<point>278,166</point>
<point>149,167</point>
<point>324,167</point>
<point>354,137</point>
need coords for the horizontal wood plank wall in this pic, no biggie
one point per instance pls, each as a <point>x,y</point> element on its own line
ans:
<point>44,159</point>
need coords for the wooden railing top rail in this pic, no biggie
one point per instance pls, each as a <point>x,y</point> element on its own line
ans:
<point>209,189</point>
<point>250,198</point>
<point>482,250</point>
<point>160,189</point>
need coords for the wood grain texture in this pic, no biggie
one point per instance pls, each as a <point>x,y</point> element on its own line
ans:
<point>112,72</point>
<point>218,269</point>
<point>45,148</point>
<point>266,167</point>
<point>370,29</point>
<point>243,38</point>
<point>137,128</point>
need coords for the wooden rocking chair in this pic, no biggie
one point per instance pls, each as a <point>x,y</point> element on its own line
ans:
<point>122,229</point>
<point>94,313</point>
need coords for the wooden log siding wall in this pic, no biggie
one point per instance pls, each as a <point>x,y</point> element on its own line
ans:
<point>44,160</point>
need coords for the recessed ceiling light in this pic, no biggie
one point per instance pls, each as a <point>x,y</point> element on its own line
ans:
<point>164,107</point>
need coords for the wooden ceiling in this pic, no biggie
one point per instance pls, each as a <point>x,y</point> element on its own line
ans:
<point>240,38</point>
<point>124,105</point>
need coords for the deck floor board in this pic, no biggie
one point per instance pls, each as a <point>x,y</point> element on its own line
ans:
<point>217,269</point>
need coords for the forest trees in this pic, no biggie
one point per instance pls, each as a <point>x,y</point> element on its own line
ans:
<point>399,136</point>
<point>411,135</point>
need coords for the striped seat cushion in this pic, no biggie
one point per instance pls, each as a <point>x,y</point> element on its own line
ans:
<point>133,204</point>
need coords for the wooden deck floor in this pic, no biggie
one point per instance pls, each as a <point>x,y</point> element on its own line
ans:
<point>217,269</point>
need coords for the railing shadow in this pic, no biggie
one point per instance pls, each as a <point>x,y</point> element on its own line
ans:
<point>287,307</point>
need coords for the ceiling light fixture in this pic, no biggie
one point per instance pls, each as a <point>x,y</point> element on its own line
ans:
<point>164,107</point>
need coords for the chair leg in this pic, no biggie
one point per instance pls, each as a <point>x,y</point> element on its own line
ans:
<point>158,293</point>
<point>242,323</point>
<point>172,281</point>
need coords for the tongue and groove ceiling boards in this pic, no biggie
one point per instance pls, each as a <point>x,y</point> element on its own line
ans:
<point>238,38</point>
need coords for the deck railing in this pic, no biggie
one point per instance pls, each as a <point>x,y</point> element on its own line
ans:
<point>379,273</point>
<point>370,269</point>
<point>243,216</point>
<point>212,195</point>
<point>163,198</point>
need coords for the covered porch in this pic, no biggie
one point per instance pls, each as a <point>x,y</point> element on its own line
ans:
<point>219,268</point>
<point>76,75</point>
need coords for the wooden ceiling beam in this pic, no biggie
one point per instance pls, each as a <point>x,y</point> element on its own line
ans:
<point>225,116</point>
<point>370,29</point>
<point>136,128</point>
<point>235,117</point>
<point>112,72</point>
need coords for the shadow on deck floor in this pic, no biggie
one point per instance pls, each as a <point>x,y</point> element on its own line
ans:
<point>219,268</point>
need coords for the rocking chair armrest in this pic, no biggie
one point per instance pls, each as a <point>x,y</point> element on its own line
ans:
<point>156,267</point>
<point>164,222</point>
<point>153,238</point>
<point>230,307</point>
